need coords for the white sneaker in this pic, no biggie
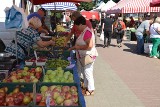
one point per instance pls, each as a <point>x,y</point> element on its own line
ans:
<point>154,57</point>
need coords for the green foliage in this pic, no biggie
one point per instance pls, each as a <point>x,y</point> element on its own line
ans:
<point>116,1</point>
<point>86,6</point>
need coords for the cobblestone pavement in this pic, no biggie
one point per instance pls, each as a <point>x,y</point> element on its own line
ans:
<point>125,79</point>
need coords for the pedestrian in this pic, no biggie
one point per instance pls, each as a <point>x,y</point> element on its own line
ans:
<point>155,37</point>
<point>27,38</point>
<point>107,27</point>
<point>132,22</point>
<point>85,46</point>
<point>142,30</point>
<point>119,30</point>
<point>140,20</point>
<point>94,23</point>
<point>74,30</point>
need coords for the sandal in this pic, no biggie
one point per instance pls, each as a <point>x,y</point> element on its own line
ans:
<point>89,93</point>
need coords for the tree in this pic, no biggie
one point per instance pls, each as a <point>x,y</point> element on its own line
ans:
<point>116,1</point>
<point>89,6</point>
<point>86,6</point>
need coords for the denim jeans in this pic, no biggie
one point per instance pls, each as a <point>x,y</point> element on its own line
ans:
<point>108,35</point>
<point>119,36</point>
<point>140,44</point>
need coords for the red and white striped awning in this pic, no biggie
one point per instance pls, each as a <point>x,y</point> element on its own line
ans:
<point>139,6</point>
<point>155,3</point>
<point>133,6</point>
<point>118,7</point>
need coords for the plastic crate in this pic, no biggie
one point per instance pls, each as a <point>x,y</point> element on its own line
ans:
<point>24,87</point>
<point>39,85</point>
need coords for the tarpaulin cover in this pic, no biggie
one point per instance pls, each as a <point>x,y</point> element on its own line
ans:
<point>89,14</point>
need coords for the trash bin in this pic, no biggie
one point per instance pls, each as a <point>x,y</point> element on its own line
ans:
<point>133,35</point>
<point>128,34</point>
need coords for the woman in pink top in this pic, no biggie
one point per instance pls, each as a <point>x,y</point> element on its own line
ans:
<point>74,30</point>
<point>85,46</point>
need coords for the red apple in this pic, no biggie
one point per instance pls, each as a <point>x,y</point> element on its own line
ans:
<point>42,103</point>
<point>52,102</point>
<point>9,98</point>
<point>11,103</point>
<point>68,95</point>
<point>17,101</point>
<point>38,98</point>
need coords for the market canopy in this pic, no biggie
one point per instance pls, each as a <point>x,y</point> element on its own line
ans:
<point>38,2</point>
<point>89,14</point>
<point>117,8</point>
<point>100,6</point>
<point>155,3</point>
<point>134,6</point>
<point>108,5</point>
<point>139,6</point>
<point>60,6</point>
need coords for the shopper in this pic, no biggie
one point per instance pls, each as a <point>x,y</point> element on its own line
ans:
<point>74,30</point>
<point>119,31</point>
<point>107,27</point>
<point>85,45</point>
<point>142,30</point>
<point>26,38</point>
<point>94,23</point>
<point>155,37</point>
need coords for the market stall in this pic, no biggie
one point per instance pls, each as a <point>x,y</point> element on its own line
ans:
<point>155,3</point>
<point>47,77</point>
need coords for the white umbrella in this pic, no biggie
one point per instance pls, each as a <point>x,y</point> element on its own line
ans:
<point>108,5</point>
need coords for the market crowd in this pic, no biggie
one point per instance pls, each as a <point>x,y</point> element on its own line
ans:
<point>147,31</point>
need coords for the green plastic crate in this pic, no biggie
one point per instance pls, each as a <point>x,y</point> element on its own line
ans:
<point>24,87</point>
<point>39,85</point>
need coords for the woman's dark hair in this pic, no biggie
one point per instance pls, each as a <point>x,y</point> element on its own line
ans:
<point>80,20</point>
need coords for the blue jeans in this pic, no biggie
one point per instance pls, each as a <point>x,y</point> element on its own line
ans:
<point>140,44</point>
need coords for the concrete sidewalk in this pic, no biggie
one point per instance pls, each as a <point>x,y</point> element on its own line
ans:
<point>125,79</point>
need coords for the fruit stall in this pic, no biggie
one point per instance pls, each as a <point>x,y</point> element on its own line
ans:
<point>47,77</point>
<point>41,82</point>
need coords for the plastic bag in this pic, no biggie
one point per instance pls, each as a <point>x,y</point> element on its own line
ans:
<point>148,47</point>
<point>13,18</point>
<point>102,36</point>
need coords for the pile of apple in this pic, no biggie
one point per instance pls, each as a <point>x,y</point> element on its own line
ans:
<point>57,95</point>
<point>58,76</point>
<point>15,98</point>
<point>25,75</point>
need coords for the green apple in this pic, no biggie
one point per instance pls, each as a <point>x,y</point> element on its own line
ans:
<point>26,68</point>
<point>49,72</point>
<point>38,69</point>
<point>44,88</point>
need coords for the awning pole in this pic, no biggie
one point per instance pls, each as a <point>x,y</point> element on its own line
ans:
<point>32,6</point>
<point>13,2</point>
